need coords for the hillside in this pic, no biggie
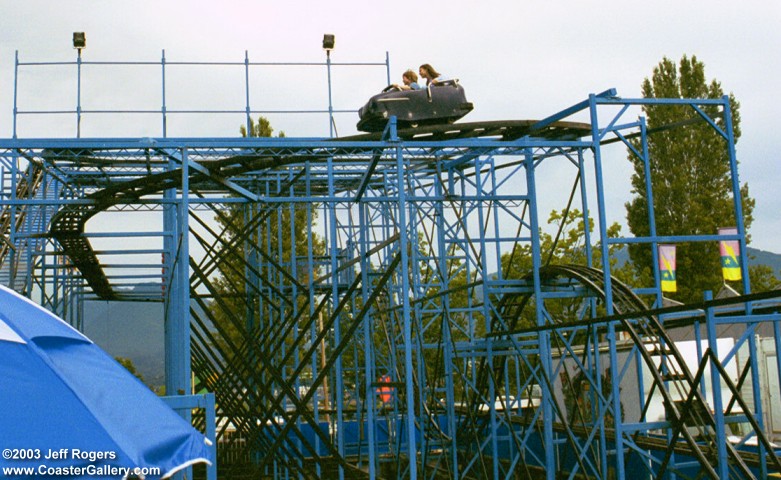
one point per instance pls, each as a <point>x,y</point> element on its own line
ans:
<point>761,257</point>
<point>132,330</point>
<point>755,257</point>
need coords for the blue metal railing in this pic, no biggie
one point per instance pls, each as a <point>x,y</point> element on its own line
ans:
<point>165,111</point>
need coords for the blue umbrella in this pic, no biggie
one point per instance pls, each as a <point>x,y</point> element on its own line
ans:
<point>66,407</point>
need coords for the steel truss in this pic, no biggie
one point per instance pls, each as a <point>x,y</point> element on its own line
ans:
<point>398,339</point>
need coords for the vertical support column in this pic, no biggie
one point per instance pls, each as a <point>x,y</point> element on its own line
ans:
<point>586,211</point>
<point>611,335</point>
<point>370,360</point>
<point>493,392</point>
<point>387,67</point>
<point>737,199</point>
<point>78,94</point>
<point>16,89</point>
<point>163,107</point>
<point>211,428</point>
<point>12,210</point>
<point>404,243</point>
<point>246,88</point>
<point>650,209</point>
<point>752,342</point>
<point>333,252</point>
<point>177,321</point>
<point>722,467</point>
<point>544,335</point>
<point>330,102</point>
<point>448,354</point>
<point>168,260</point>
<point>652,227</point>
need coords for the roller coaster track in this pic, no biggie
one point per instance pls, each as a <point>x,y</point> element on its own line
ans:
<point>504,130</point>
<point>67,225</point>
<point>669,372</point>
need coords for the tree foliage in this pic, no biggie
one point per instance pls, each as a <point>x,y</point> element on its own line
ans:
<point>568,247</point>
<point>690,176</point>
<point>264,248</point>
<point>131,367</point>
<point>260,129</point>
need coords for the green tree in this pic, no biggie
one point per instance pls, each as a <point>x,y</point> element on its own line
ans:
<point>763,278</point>
<point>690,176</point>
<point>567,247</point>
<point>261,129</point>
<point>131,367</point>
<point>262,252</point>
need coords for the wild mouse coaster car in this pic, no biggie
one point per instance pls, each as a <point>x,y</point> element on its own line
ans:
<point>444,102</point>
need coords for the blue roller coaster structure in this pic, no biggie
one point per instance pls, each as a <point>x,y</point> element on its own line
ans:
<point>355,306</point>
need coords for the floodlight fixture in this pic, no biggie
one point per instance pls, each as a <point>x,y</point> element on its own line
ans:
<point>79,40</point>
<point>328,42</point>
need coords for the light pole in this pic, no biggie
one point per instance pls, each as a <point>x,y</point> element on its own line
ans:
<point>79,42</point>
<point>328,45</point>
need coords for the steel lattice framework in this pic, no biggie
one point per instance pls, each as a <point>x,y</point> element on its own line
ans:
<point>398,339</point>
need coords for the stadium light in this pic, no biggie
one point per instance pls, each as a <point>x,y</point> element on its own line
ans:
<point>328,42</point>
<point>79,40</point>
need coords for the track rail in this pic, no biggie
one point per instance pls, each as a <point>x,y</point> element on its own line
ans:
<point>669,373</point>
<point>67,225</point>
<point>504,130</point>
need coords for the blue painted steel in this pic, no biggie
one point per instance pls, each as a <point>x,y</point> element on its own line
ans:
<point>330,102</point>
<point>16,88</point>
<point>405,311</point>
<point>163,108</point>
<point>185,403</point>
<point>611,335</point>
<point>718,408</point>
<point>544,337</point>
<point>78,95</point>
<point>440,321</point>
<point>165,111</point>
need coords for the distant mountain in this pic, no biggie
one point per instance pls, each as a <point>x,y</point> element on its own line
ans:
<point>755,257</point>
<point>133,330</point>
<point>761,257</point>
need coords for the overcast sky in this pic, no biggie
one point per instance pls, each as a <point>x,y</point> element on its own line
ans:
<point>517,59</point>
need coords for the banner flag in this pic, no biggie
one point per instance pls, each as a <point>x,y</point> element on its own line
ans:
<point>730,255</point>
<point>667,267</point>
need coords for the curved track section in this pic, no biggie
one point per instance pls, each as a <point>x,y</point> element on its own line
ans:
<point>692,421</point>
<point>67,226</point>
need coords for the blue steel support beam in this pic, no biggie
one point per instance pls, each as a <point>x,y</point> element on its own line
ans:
<point>722,466</point>
<point>736,195</point>
<point>405,192</point>
<point>544,336</point>
<point>330,210</point>
<point>611,336</point>
<point>178,311</point>
<point>185,403</point>
<point>568,112</point>
<point>16,89</point>
<point>370,358</point>
<point>404,245</point>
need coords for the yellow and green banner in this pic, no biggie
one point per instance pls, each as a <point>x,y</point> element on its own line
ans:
<point>730,255</point>
<point>667,267</point>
